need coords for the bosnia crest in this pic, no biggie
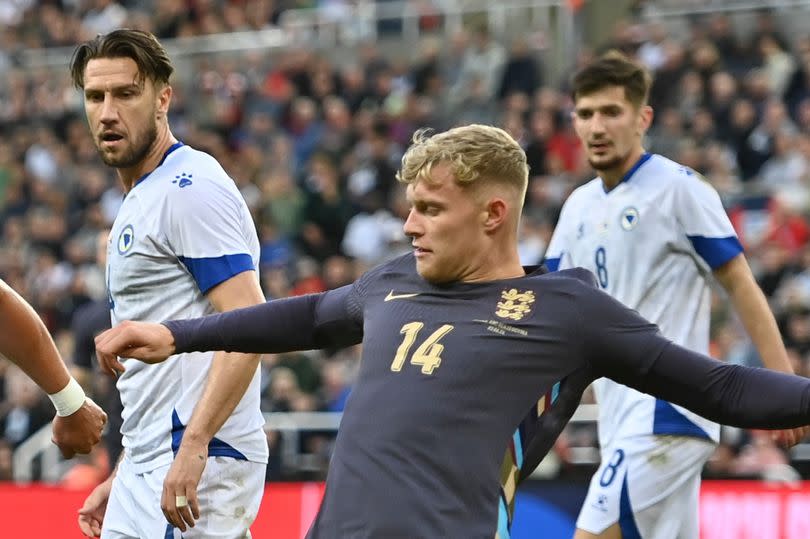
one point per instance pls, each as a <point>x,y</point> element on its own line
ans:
<point>126,239</point>
<point>629,218</point>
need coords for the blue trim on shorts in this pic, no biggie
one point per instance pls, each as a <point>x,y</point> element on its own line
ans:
<point>216,447</point>
<point>627,522</point>
<point>668,420</point>
<point>169,532</point>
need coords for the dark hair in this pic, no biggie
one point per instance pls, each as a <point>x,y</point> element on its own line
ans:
<point>613,69</point>
<point>145,50</point>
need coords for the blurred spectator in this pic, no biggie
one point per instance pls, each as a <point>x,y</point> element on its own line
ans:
<point>6,461</point>
<point>282,390</point>
<point>425,75</point>
<point>722,92</point>
<point>104,16</point>
<point>720,32</point>
<point>652,53</point>
<point>786,168</point>
<point>326,211</point>
<point>786,227</point>
<point>481,67</point>
<point>521,74</point>
<point>26,409</point>
<point>375,233</point>
<point>778,65</point>
<point>667,134</point>
<point>337,379</point>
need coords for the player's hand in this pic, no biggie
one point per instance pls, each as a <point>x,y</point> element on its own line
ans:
<point>789,437</point>
<point>91,515</point>
<point>80,431</point>
<point>146,341</point>
<point>179,501</point>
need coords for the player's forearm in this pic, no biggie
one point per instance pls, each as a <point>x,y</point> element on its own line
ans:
<point>300,323</point>
<point>758,320</point>
<point>228,379</point>
<point>729,394</point>
<point>26,342</point>
<point>753,310</point>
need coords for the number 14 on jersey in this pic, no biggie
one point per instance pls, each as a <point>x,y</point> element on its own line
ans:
<point>428,354</point>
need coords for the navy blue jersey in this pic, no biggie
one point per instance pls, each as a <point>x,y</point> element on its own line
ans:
<point>448,372</point>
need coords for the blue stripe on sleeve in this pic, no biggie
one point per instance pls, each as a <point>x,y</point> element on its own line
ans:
<point>553,264</point>
<point>716,251</point>
<point>209,272</point>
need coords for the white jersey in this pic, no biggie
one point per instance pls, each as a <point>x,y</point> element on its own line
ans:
<point>652,243</point>
<point>182,229</point>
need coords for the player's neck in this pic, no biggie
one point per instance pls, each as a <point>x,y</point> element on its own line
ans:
<point>130,176</point>
<point>494,265</point>
<point>613,177</point>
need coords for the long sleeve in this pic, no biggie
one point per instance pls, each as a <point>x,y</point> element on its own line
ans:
<point>328,319</point>
<point>624,347</point>
<point>729,394</point>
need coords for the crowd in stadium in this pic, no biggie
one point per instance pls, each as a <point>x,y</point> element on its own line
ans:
<point>315,143</point>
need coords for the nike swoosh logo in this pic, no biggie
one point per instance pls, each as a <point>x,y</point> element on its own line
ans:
<point>391,296</point>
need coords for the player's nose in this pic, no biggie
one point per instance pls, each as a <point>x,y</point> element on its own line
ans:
<point>108,112</point>
<point>412,228</point>
<point>597,125</point>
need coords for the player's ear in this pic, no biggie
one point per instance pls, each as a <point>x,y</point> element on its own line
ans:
<point>496,213</point>
<point>164,98</point>
<point>645,119</point>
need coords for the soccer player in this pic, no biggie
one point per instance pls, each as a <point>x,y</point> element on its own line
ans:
<point>654,233</point>
<point>459,341</point>
<point>182,245</point>
<point>26,342</point>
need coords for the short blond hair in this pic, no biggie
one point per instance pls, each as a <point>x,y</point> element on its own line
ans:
<point>476,153</point>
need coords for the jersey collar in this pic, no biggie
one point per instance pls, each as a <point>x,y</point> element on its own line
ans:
<point>629,174</point>
<point>172,148</point>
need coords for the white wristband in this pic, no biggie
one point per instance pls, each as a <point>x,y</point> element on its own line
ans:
<point>69,399</point>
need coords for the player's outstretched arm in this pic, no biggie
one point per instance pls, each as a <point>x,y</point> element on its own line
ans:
<point>621,345</point>
<point>310,322</point>
<point>26,342</point>
<point>284,325</point>
<point>730,394</point>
